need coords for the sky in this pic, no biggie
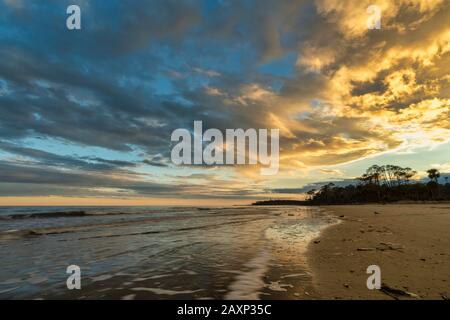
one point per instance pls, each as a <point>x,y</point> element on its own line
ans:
<point>86,115</point>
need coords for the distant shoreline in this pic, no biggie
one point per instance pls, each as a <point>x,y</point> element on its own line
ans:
<point>281,203</point>
<point>313,203</point>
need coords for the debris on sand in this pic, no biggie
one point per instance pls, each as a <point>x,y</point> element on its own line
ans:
<point>384,246</point>
<point>397,293</point>
<point>366,249</point>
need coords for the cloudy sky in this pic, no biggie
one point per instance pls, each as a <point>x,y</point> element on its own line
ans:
<point>86,115</point>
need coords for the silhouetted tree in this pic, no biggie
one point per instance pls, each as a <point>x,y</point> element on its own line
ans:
<point>311,193</point>
<point>384,184</point>
<point>434,175</point>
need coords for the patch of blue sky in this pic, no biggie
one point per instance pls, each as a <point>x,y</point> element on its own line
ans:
<point>228,58</point>
<point>4,88</point>
<point>212,5</point>
<point>27,32</point>
<point>65,148</point>
<point>5,155</point>
<point>183,101</point>
<point>420,158</point>
<point>237,60</point>
<point>8,32</point>
<point>162,85</point>
<point>37,116</point>
<point>281,67</point>
<point>167,171</point>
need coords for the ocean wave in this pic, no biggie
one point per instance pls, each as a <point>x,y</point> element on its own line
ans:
<point>24,233</point>
<point>43,215</point>
<point>248,284</point>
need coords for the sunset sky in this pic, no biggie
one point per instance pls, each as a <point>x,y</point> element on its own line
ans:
<point>86,115</point>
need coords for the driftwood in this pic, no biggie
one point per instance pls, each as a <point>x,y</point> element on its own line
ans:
<point>397,293</point>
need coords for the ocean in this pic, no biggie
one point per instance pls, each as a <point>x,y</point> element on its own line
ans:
<point>242,252</point>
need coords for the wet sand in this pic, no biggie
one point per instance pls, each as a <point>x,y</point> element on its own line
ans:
<point>409,242</point>
<point>160,253</point>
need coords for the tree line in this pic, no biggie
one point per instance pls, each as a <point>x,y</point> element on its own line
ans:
<point>387,183</point>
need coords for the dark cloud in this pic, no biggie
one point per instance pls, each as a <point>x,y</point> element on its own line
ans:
<point>26,179</point>
<point>69,162</point>
<point>157,161</point>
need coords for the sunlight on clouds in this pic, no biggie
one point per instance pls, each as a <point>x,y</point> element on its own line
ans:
<point>334,172</point>
<point>314,58</point>
<point>404,87</point>
<point>213,91</point>
<point>255,93</point>
<point>351,17</point>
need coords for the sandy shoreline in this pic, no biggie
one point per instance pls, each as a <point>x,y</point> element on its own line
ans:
<point>410,243</point>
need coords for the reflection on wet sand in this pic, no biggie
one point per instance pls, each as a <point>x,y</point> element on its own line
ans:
<point>160,253</point>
